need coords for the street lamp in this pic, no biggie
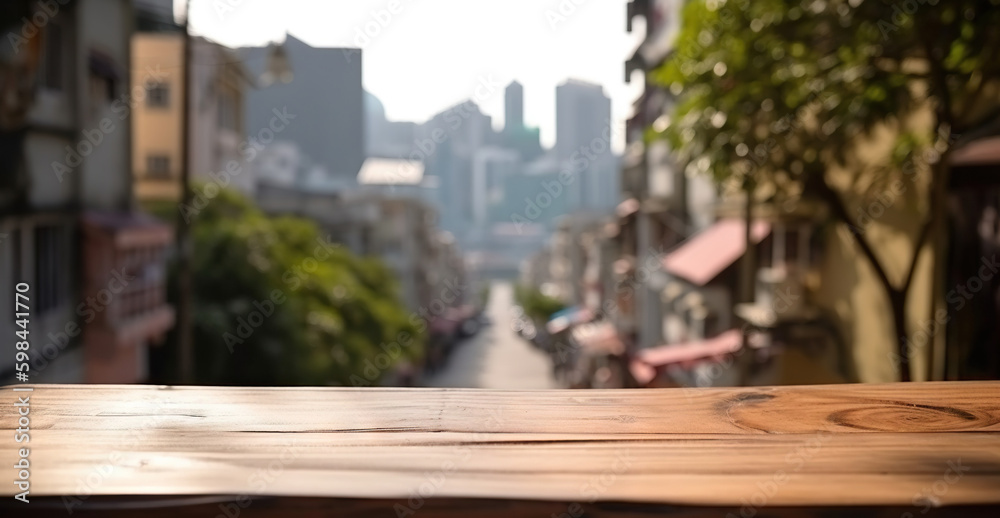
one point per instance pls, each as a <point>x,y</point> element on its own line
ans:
<point>278,66</point>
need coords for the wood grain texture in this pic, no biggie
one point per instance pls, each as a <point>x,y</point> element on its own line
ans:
<point>289,507</point>
<point>903,446</point>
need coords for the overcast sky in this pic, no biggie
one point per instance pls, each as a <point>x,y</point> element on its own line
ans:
<point>432,54</point>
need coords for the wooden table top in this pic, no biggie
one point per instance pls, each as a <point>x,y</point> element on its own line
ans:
<point>915,446</point>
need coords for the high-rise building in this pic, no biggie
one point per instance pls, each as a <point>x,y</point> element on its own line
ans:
<point>513,107</point>
<point>492,167</point>
<point>515,135</point>
<point>583,140</point>
<point>446,144</point>
<point>321,99</point>
<point>583,115</point>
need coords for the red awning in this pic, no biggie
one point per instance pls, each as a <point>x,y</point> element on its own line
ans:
<point>646,362</point>
<point>704,256</point>
<point>598,338</point>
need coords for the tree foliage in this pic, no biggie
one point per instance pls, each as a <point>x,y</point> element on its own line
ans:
<point>333,312</point>
<point>774,92</point>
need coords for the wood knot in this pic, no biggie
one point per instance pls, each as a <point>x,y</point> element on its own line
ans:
<point>894,416</point>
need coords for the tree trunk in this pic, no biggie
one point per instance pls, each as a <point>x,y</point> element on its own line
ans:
<point>897,300</point>
<point>937,357</point>
<point>749,266</point>
<point>897,296</point>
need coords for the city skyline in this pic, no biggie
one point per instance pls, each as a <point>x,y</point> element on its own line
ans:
<point>444,61</point>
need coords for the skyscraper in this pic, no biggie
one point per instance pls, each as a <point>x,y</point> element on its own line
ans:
<point>323,100</point>
<point>583,141</point>
<point>583,115</point>
<point>513,107</point>
<point>515,135</point>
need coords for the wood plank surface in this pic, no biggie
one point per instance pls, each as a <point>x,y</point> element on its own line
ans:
<point>910,446</point>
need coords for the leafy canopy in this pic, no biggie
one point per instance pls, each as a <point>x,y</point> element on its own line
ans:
<point>336,312</point>
<point>774,89</point>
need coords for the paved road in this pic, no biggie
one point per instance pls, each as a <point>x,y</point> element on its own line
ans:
<point>496,357</point>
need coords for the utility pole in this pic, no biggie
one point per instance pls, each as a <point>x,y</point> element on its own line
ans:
<point>185,298</point>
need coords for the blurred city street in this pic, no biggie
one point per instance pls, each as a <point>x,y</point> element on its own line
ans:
<point>662,192</point>
<point>496,357</point>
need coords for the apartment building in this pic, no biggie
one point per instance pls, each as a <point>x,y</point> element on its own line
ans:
<point>217,136</point>
<point>94,266</point>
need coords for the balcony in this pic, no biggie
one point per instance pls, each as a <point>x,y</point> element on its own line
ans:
<point>780,295</point>
<point>124,288</point>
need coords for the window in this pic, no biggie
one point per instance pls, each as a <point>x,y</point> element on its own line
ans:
<point>105,74</point>
<point>792,238</point>
<point>52,66</point>
<point>158,166</point>
<point>765,254</point>
<point>227,111</point>
<point>102,89</point>
<point>158,95</point>
<point>51,269</point>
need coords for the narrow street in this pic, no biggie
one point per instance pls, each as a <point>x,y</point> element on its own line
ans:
<point>496,357</point>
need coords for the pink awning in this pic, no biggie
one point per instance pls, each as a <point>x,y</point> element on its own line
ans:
<point>646,362</point>
<point>985,151</point>
<point>706,255</point>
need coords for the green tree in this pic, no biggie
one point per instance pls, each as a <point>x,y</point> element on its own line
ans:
<point>772,92</point>
<point>278,304</point>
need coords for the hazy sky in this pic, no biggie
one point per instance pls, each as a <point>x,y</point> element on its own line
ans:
<point>432,54</point>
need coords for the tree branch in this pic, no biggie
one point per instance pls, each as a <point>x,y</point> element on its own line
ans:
<point>925,231</point>
<point>840,211</point>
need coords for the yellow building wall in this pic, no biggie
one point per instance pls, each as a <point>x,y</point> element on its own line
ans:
<point>849,288</point>
<point>155,130</point>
